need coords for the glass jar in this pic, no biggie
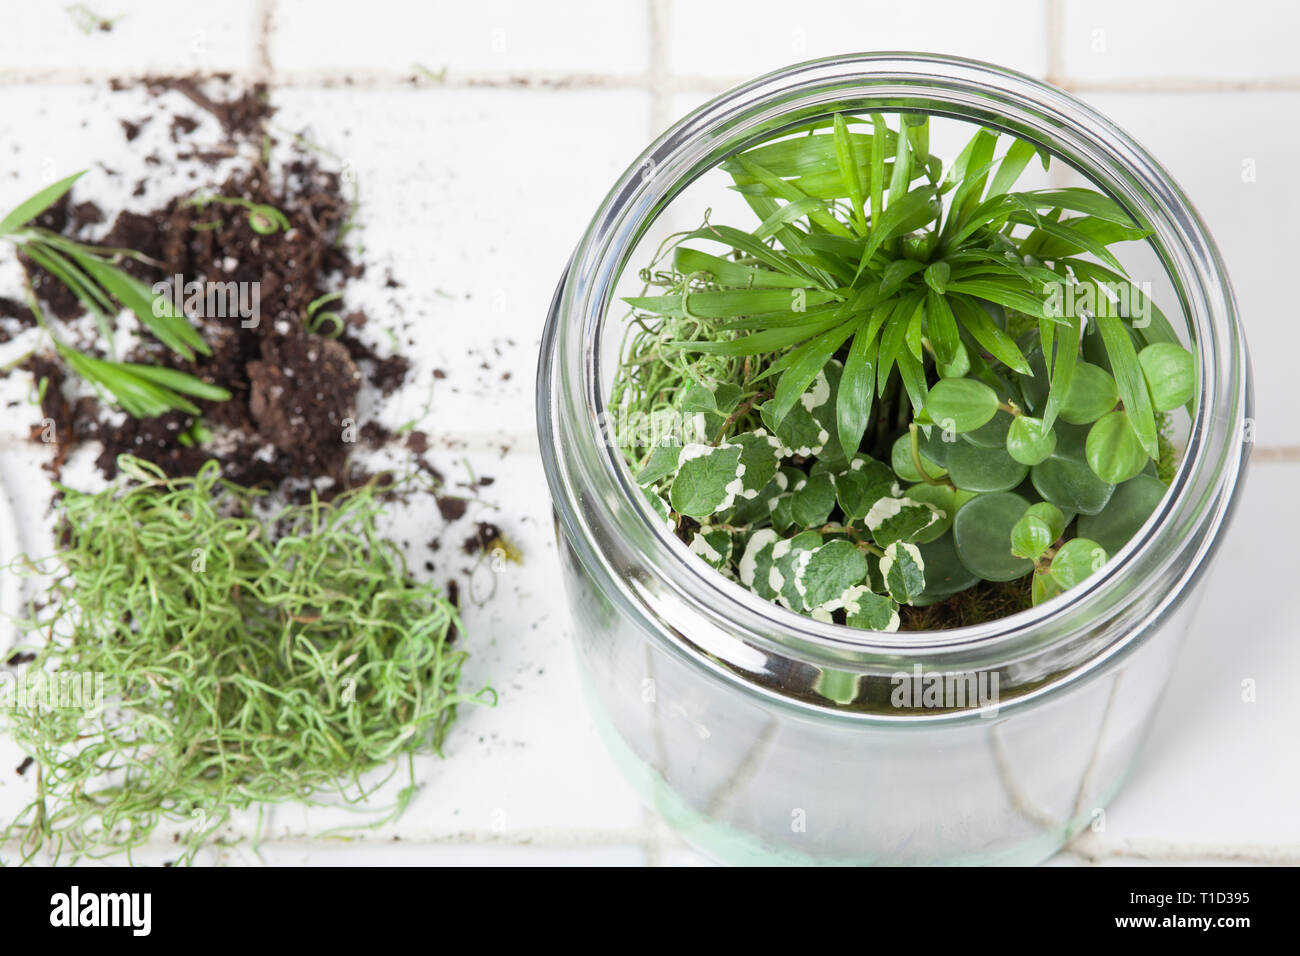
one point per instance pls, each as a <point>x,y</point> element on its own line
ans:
<point>766,736</point>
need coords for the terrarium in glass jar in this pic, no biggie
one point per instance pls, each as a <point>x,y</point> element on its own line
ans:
<point>830,736</point>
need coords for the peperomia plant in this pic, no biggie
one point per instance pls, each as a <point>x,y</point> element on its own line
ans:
<point>903,381</point>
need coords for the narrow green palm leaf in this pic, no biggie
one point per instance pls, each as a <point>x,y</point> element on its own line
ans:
<point>806,361</point>
<point>33,206</point>
<point>858,381</point>
<point>1132,385</point>
<point>730,272</point>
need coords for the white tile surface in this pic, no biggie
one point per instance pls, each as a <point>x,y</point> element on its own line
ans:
<point>147,36</point>
<point>1250,136</point>
<point>1197,40</point>
<point>472,199</point>
<point>1221,771</point>
<point>580,36</point>
<point>476,226</point>
<point>716,38</point>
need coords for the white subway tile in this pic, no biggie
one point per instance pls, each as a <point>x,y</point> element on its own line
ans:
<point>146,36</point>
<point>1235,155</point>
<point>506,36</point>
<point>1200,40</point>
<point>716,38</point>
<point>1219,769</point>
<point>473,200</point>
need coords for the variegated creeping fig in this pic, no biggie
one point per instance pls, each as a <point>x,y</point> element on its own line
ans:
<point>906,385</point>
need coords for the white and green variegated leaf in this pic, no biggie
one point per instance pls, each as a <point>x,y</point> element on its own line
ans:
<point>806,429</point>
<point>710,406</point>
<point>755,568</point>
<point>721,400</point>
<point>812,499</point>
<point>783,512</point>
<point>829,572</point>
<point>662,463</point>
<point>660,508</point>
<point>752,511</point>
<point>761,456</point>
<point>789,558</point>
<point>708,479</point>
<point>862,484</point>
<point>899,519</point>
<point>903,571</point>
<point>865,609</point>
<point>713,545</point>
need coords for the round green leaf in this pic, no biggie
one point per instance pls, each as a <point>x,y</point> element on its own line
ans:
<point>1092,394</point>
<point>1035,386</point>
<point>961,404</point>
<point>1071,442</point>
<point>900,457</point>
<point>993,433</point>
<point>933,445</point>
<point>1076,560</point>
<point>944,573</point>
<point>960,364</point>
<point>1115,452</point>
<point>1127,511</point>
<point>982,536</point>
<point>1028,442</point>
<point>1170,371</point>
<point>972,468</point>
<point>812,500</point>
<point>1052,516</point>
<point>943,500</point>
<point>1071,486</point>
<point>1030,537</point>
<point>1044,587</point>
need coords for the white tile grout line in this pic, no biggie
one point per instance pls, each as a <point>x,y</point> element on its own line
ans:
<point>264,23</point>
<point>548,838</point>
<point>660,12</point>
<point>379,80</point>
<point>1094,849</point>
<point>1055,41</point>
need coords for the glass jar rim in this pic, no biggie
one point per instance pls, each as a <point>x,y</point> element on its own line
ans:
<point>1138,585</point>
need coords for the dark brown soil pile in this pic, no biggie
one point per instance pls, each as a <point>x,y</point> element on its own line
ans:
<point>293,410</point>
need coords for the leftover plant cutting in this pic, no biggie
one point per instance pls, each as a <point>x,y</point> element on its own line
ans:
<point>102,289</point>
<point>251,632</point>
<point>908,388</point>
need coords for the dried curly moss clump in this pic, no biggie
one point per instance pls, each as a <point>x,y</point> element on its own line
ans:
<point>200,659</point>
